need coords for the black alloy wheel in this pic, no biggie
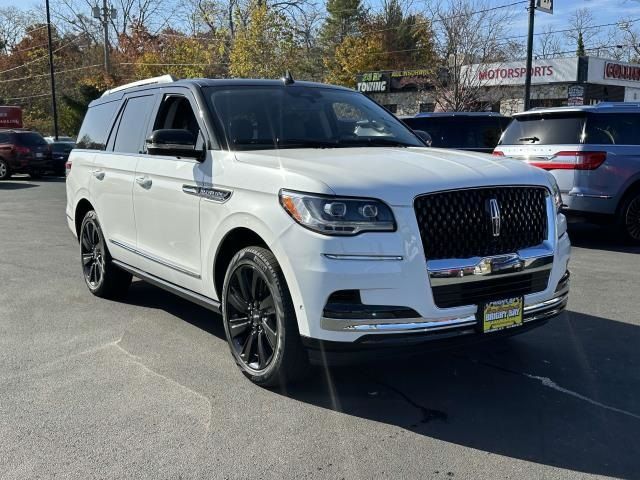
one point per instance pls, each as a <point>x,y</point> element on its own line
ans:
<point>260,321</point>
<point>92,252</point>
<point>101,275</point>
<point>253,326</point>
<point>632,218</point>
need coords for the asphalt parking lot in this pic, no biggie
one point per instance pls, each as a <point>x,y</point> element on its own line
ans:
<point>147,388</point>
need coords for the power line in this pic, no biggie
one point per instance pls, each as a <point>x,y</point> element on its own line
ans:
<point>47,74</point>
<point>44,57</point>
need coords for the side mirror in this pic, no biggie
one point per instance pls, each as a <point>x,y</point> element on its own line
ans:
<point>424,136</point>
<point>173,142</point>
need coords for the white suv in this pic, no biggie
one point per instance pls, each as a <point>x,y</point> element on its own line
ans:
<point>315,222</point>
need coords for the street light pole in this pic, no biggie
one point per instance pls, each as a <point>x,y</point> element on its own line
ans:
<point>527,80</point>
<point>54,106</point>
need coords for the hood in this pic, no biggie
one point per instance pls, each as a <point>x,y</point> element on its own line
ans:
<point>396,175</point>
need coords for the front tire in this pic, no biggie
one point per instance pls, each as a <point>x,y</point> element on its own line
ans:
<point>260,321</point>
<point>5,172</point>
<point>103,278</point>
<point>629,219</point>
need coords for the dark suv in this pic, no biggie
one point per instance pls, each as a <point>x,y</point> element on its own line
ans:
<point>23,151</point>
<point>475,131</point>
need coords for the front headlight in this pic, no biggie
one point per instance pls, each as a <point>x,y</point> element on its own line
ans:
<point>331,215</point>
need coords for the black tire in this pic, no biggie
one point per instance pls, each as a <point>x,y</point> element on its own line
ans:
<point>629,217</point>
<point>103,278</point>
<point>5,171</point>
<point>260,320</point>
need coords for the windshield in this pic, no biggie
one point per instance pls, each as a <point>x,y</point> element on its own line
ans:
<point>545,129</point>
<point>459,131</point>
<point>270,117</point>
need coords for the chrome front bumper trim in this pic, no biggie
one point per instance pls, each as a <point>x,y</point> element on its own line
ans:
<point>539,311</point>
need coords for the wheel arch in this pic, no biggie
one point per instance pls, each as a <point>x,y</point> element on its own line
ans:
<point>82,207</point>
<point>631,188</point>
<point>234,240</point>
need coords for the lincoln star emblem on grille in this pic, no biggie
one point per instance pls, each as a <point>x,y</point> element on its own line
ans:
<point>494,212</point>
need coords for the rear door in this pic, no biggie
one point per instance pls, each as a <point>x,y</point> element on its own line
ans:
<point>113,177</point>
<point>167,213</point>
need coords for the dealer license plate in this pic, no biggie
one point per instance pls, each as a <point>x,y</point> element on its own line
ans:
<point>38,155</point>
<point>501,314</point>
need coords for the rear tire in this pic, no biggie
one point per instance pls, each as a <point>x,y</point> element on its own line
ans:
<point>629,217</point>
<point>103,278</point>
<point>260,320</point>
<point>5,172</point>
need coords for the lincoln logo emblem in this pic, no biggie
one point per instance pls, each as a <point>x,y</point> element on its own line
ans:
<point>494,212</point>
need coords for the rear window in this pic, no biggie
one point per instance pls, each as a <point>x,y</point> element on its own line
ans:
<point>96,126</point>
<point>30,139</point>
<point>459,132</point>
<point>62,147</point>
<point>545,129</point>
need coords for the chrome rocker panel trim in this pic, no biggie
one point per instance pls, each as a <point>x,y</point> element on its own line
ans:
<point>155,259</point>
<point>539,311</point>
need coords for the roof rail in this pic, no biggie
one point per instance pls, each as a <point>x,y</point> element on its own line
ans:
<point>617,104</point>
<point>146,81</point>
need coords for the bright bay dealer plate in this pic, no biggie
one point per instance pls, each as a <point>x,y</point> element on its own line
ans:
<point>501,314</point>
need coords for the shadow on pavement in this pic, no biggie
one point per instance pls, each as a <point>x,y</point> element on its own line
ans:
<point>9,185</point>
<point>564,395</point>
<point>600,237</point>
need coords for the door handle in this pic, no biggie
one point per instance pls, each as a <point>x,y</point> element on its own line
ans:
<point>99,174</point>
<point>144,182</point>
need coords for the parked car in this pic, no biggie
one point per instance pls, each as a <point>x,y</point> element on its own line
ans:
<point>23,151</point>
<point>259,199</point>
<point>594,154</point>
<point>59,155</point>
<point>473,131</point>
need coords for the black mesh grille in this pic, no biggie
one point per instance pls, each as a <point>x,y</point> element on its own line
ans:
<point>470,293</point>
<point>457,224</point>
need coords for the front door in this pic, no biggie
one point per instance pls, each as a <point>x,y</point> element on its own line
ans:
<point>167,213</point>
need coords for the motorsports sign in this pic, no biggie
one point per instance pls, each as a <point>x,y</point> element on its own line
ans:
<point>514,73</point>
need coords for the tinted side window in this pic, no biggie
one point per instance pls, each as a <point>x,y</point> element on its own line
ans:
<point>613,129</point>
<point>4,138</point>
<point>96,126</point>
<point>132,122</point>
<point>176,112</point>
<point>545,129</point>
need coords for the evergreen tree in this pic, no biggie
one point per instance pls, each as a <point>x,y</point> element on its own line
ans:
<point>580,51</point>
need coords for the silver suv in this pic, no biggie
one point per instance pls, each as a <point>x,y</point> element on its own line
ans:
<point>594,153</point>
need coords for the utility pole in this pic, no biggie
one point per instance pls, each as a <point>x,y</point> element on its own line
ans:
<point>105,14</point>
<point>544,6</point>
<point>527,79</point>
<point>54,106</point>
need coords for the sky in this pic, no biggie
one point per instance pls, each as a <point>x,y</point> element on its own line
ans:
<point>605,11</point>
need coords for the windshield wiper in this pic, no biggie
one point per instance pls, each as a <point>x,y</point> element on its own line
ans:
<point>529,139</point>
<point>377,141</point>
<point>306,143</point>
